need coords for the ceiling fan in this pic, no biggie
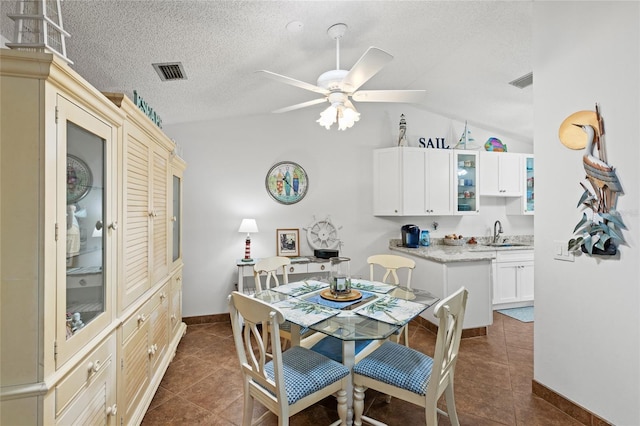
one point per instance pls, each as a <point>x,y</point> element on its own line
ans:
<point>339,87</point>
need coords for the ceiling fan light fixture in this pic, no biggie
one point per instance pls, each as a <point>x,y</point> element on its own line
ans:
<point>337,112</point>
<point>347,118</point>
<point>328,117</point>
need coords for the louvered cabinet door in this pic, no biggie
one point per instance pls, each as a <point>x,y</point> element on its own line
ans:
<point>134,365</point>
<point>160,214</point>
<point>159,326</point>
<point>137,216</point>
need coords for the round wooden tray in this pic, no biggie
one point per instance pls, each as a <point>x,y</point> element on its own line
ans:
<point>353,295</point>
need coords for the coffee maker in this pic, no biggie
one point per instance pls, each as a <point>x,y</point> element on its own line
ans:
<point>410,236</point>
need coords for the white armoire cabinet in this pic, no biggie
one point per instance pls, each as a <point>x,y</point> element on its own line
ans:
<point>65,314</point>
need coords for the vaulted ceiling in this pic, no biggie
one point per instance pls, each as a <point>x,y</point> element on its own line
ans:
<point>463,53</point>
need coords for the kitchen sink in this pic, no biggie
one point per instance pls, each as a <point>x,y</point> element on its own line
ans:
<point>507,245</point>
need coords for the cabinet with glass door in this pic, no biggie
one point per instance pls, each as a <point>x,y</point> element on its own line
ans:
<point>59,234</point>
<point>466,182</point>
<point>524,205</point>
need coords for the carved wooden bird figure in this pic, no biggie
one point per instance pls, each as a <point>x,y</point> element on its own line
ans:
<point>602,176</point>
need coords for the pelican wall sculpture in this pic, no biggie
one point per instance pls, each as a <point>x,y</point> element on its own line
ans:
<point>599,229</point>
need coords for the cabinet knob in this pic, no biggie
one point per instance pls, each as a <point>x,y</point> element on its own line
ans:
<point>173,218</point>
<point>173,317</point>
<point>113,226</point>
<point>163,296</point>
<point>153,214</point>
<point>142,318</point>
<point>112,410</point>
<point>93,367</point>
<point>322,267</point>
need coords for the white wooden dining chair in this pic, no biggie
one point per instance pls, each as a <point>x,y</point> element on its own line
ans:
<point>288,382</point>
<point>389,264</point>
<point>271,267</point>
<point>412,376</point>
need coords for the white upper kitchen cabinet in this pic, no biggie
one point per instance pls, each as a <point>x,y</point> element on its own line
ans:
<point>524,205</point>
<point>412,182</point>
<point>501,174</point>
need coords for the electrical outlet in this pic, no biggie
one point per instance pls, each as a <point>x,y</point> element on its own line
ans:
<point>561,251</point>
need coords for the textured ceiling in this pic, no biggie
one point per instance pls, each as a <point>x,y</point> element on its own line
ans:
<point>463,53</point>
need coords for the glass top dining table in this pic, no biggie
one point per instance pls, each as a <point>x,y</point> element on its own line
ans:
<point>381,310</point>
<point>377,311</point>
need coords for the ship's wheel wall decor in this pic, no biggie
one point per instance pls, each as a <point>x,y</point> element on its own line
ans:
<point>323,234</point>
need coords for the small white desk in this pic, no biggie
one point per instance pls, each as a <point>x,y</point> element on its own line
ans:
<point>313,266</point>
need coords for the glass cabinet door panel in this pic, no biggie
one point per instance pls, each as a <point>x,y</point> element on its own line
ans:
<point>530,184</point>
<point>176,219</point>
<point>466,183</point>
<point>86,225</point>
<point>85,295</point>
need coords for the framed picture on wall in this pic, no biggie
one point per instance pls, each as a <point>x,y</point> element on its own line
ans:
<point>287,242</point>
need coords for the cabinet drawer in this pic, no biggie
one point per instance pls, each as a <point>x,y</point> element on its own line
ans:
<point>297,269</point>
<point>84,374</point>
<point>137,320</point>
<point>318,267</point>
<point>514,256</point>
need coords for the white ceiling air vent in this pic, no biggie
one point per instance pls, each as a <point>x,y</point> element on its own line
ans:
<point>522,82</point>
<point>170,71</point>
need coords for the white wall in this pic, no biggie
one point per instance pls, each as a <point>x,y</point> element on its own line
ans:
<point>587,333</point>
<point>224,182</point>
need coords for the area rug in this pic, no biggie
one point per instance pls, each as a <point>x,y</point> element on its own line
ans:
<point>521,314</point>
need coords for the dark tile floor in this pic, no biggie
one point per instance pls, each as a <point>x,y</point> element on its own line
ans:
<point>203,384</point>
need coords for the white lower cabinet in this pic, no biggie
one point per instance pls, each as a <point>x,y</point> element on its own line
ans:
<point>443,278</point>
<point>144,358</point>
<point>513,279</point>
<point>87,395</point>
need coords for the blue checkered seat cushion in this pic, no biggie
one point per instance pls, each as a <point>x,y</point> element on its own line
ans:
<point>306,372</point>
<point>399,366</point>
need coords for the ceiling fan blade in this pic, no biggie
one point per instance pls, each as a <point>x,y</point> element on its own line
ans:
<point>301,105</point>
<point>293,82</point>
<point>367,66</point>
<point>404,96</point>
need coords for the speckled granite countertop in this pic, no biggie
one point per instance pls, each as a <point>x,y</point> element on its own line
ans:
<point>439,252</point>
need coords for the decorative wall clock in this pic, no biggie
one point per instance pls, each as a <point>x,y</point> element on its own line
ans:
<point>79,179</point>
<point>287,182</point>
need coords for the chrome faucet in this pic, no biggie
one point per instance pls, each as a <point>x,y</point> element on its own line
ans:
<point>497,230</point>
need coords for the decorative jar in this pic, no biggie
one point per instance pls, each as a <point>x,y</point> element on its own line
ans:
<point>340,276</point>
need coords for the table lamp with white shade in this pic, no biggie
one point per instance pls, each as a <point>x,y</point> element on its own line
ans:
<point>248,226</point>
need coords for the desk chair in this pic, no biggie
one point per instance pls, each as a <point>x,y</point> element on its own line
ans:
<point>292,380</point>
<point>412,376</point>
<point>391,263</point>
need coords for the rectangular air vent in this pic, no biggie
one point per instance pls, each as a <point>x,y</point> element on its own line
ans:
<point>522,82</point>
<point>170,71</point>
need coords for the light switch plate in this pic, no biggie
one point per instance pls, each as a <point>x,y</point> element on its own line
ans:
<point>561,251</point>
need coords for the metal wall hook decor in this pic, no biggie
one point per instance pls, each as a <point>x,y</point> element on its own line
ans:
<point>599,231</point>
